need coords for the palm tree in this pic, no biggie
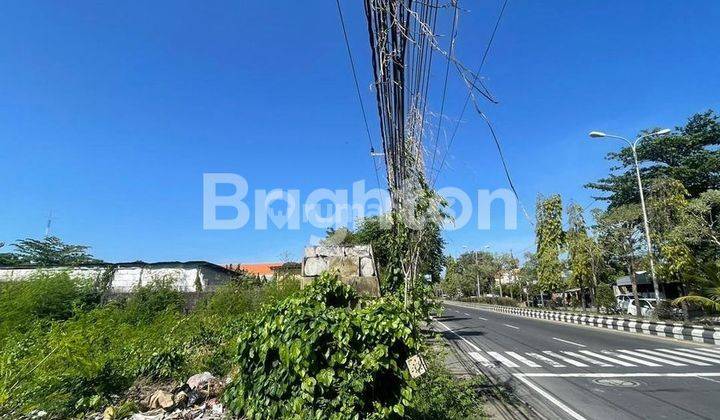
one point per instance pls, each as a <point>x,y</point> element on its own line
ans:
<point>709,282</point>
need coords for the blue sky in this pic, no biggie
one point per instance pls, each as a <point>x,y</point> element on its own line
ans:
<point>110,112</point>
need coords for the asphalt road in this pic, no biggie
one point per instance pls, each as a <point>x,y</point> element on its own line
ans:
<point>576,372</point>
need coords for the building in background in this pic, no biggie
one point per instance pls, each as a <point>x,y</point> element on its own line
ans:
<point>266,271</point>
<point>190,277</point>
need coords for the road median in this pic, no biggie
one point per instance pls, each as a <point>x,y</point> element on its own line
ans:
<point>696,333</point>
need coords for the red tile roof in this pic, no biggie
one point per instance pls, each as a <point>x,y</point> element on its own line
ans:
<point>262,269</point>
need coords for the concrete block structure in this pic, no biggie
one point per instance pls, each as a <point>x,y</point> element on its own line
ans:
<point>354,264</point>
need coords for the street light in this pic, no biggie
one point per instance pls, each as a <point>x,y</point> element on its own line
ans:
<point>633,146</point>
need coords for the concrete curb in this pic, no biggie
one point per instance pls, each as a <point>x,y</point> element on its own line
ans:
<point>697,333</point>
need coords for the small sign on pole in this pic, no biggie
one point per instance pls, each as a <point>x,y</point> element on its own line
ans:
<point>416,365</point>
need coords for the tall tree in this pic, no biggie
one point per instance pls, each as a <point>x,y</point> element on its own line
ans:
<point>620,230</point>
<point>550,239</point>
<point>689,155</point>
<point>582,273</point>
<point>51,251</point>
<point>528,275</point>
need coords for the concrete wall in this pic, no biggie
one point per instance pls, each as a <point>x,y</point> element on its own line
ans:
<point>126,278</point>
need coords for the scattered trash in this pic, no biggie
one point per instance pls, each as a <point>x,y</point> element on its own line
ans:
<point>196,399</point>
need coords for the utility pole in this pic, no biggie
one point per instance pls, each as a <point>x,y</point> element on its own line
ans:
<point>477,275</point>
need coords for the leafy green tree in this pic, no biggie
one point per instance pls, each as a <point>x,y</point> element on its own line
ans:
<point>580,248</point>
<point>550,240</point>
<point>50,251</point>
<point>620,231</point>
<point>702,225</point>
<point>376,231</point>
<point>464,273</point>
<point>689,155</point>
<point>527,277</point>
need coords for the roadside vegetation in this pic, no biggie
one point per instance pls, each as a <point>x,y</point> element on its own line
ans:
<point>681,178</point>
<point>67,351</point>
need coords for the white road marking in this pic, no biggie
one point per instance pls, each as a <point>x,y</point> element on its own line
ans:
<point>617,375</point>
<point>684,354</point>
<point>459,336</point>
<point>542,358</point>
<point>550,398</point>
<point>569,342</point>
<point>511,326</point>
<point>702,353</point>
<point>632,359</point>
<point>484,319</point>
<point>657,359</point>
<point>466,314</point>
<point>708,379</point>
<point>480,358</point>
<point>667,356</point>
<point>606,358</point>
<point>587,359</point>
<point>714,350</point>
<point>502,359</point>
<point>523,359</point>
<point>565,359</point>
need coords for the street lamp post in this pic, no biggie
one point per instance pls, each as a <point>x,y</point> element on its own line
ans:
<point>633,147</point>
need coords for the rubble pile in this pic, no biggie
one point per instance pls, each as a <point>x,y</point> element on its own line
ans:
<point>196,399</point>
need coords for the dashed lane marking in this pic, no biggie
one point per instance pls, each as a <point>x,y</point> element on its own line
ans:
<point>484,319</point>
<point>569,342</point>
<point>511,326</point>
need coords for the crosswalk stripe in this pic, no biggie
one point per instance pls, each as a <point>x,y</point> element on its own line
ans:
<point>525,360</point>
<point>631,359</point>
<point>606,358</point>
<point>684,360</point>
<point>701,352</point>
<point>546,360</point>
<point>657,359</point>
<point>480,359</point>
<point>502,359</point>
<point>694,356</point>
<point>714,351</point>
<point>565,359</point>
<point>587,359</point>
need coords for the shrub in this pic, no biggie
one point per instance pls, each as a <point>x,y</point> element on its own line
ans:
<point>44,297</point>
<point>440,395</point>
<point>604,296</point>
<point>493,300</point>
<point>147,301</point>
<point>322,355</point>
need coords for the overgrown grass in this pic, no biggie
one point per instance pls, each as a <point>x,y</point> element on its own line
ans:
<point>63,350</point>
<point>65,354</point>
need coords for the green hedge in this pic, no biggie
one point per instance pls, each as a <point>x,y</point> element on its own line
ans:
<point>325,355</point>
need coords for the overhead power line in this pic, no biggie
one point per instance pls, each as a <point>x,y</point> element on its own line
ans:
<point>357,89</point>
<point>467,98</point>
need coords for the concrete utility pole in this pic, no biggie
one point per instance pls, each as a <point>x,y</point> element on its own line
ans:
<point>633,146</point>
<point>477,275</point>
